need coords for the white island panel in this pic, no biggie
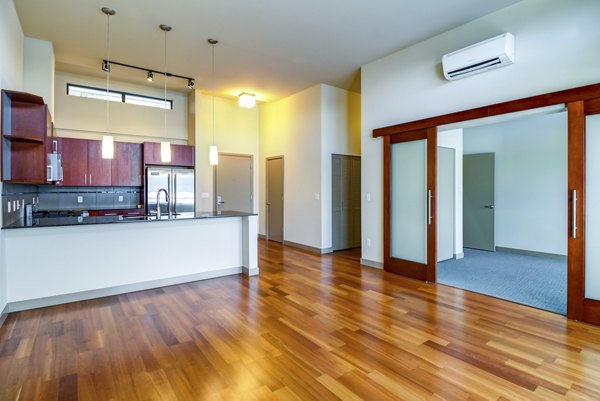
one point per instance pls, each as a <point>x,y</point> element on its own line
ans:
<point>52,265</point>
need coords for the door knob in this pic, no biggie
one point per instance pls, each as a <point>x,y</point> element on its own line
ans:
<point>490,206</point>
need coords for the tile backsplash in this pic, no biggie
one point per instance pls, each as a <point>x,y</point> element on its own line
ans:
<point>15,196</point>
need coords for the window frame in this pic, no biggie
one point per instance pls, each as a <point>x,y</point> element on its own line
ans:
<point>122,94</point>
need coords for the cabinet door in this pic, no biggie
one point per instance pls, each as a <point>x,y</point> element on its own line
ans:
<point>99,169</point>
<point>74,159</point>
<point>182,155</point>
<point>127,165</point>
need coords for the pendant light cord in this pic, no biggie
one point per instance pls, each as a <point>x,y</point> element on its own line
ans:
<point>107,74</point>
<point>213,94</point>
<point>165,104</point>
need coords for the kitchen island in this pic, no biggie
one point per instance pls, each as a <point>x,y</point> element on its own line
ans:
<point>80,258</point>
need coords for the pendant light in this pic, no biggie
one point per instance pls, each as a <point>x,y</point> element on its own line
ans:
<point>108,145</point>
<point>213,153</point>
<point>165,146</point>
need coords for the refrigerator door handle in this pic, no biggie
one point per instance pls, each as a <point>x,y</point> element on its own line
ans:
<point>174,193</point>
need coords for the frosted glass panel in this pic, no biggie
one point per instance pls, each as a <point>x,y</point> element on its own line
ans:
<point>592,210</point>
<point>409,201</point>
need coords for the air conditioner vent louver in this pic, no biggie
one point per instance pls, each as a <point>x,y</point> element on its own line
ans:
<point>487,55</point>
<point>475,67</point>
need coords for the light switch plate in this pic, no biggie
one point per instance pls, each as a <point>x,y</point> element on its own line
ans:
<point>204,195</point>
<point>368,197</point>
<point>120,198</point>
<point>80,199</point>
<point>317,196</point>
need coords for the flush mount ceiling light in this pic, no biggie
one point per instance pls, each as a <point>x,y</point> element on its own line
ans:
<point>213,153</point>
<point>165,146</point>
<point>190,84</point>
<point>246,100</point>
<point>108,144</point>
<point>150,76</point>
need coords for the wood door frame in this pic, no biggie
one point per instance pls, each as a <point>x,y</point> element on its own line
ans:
<point>578,306</point>
<point>267,196</point>
<point>580,101</point>
<point>428,271</point>
<point>251,156</point>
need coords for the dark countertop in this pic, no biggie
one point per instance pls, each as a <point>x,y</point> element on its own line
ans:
<point>91,220</point>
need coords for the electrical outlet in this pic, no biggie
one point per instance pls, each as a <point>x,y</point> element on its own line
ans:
<point>368,197</point>
<point>120,198</point>
<point>368,242</point>
<point>80,199</point>
<point>317,196</point>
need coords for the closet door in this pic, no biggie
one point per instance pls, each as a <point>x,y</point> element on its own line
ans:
<point>410,203</point>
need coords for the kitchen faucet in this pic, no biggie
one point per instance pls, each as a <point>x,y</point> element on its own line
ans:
<point>158,202</point>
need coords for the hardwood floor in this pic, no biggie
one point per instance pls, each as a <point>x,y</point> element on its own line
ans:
<point>310,327</point>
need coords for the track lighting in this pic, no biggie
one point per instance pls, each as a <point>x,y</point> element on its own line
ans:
<point>106,65</point>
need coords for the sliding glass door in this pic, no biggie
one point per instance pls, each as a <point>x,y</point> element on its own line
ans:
<point>584,216</point>
<point>409,203</point>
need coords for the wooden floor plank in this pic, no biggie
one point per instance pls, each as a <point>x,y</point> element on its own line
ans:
<point>310,327</point>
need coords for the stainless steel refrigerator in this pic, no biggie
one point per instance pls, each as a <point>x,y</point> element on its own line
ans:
<point>178,182</point>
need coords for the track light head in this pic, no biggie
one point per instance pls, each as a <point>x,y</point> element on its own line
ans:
<point>108,11</point>
<point>191,84</point>
<point>150,76</point>
<point>105,66</point>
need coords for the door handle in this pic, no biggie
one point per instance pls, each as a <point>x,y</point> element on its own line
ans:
<point>429,217</point>
<point>574,213</point>
<point>490,206</point>
<point>85,179</point>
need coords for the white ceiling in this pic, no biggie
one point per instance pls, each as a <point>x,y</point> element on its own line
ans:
<point>273,48</point>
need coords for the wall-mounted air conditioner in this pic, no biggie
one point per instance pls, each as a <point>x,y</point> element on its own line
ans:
<point>490,54</point>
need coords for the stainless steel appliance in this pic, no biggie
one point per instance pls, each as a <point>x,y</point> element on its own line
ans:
<point>54,169</point>
<point>179,183</point>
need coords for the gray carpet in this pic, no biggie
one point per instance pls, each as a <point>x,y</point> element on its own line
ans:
<point>531,280</point>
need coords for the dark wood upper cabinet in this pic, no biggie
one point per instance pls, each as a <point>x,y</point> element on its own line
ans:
<point>74,153</point>
<point>99,169</point>
<point>181,155</point>
<point>25,125</point>
<point>127,167</point>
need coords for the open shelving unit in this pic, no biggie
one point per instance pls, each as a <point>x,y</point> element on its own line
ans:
<point>26,123</point>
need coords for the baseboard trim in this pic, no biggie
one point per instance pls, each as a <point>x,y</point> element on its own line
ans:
<point>120,289</point>
<point>262,236</point>
<point>308,248</point>
<point>250,272</point>
<point>370,263</point>
<point>459,255</point>
<point>531,253</point>
<point>3,315</point>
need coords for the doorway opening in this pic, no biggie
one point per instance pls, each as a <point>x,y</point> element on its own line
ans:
<point>503,207</point>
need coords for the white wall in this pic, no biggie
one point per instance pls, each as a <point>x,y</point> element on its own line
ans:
<point>292,127</point>
<point>38,70</point>
<point>236,131</point>
<point>531,180</point>
<point>79,117</point>
<point>340,134</point>
<point>454,139</point>
<point>555,44</point>
<point>11,77</point>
